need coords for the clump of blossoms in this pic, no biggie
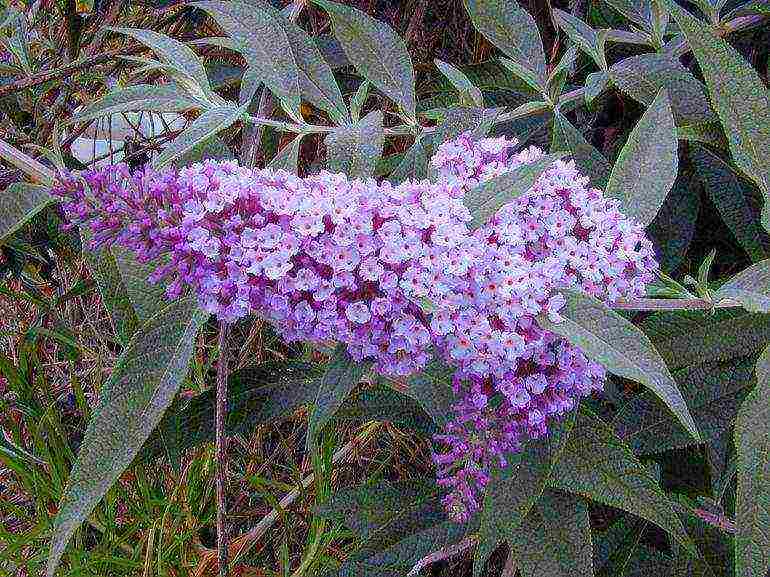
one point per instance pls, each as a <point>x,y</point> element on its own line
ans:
<point>326,258</point>
<point>560,234</point>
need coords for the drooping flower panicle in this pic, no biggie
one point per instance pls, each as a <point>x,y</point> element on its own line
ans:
<point>326,258</point>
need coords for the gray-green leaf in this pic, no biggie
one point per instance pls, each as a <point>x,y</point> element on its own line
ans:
<point>206,125</point>
<point>468,92</point>
<point>732,199</point>
<point>172,52</point>
<point>512,492</point>
<point>162,98</point>
<point>262,37</point>
<point>596,464</point>
<point>582,35</point>
<point>341,376</point>
<point>739,96</point>
<point>752,508</point>
<point>511,28</point>
<point>642,77</point>
<point>377,52</point>
<point>354,149</point>
<point>484,200</point>
<point>750,287</point>
<point>622,348</point>
<point>555,539</point>
<point>414,164</point>
<point>146,298</point>
<point>288,157</point>
<point>19,203</point>
<point>131,404</point>
<point>648,163</point>
<point>588,159</point>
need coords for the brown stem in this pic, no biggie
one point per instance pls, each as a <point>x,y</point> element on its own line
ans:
<point>221,451</point>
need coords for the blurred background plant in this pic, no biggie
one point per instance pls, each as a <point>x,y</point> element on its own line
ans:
<point>67,314</point>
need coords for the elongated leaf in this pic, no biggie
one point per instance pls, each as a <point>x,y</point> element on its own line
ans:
<point>213,148</point>
<point>750,287</point>
<point>432,388</point>
<point>288,157</point>
<point>731,198</point>
<point>713,391</point>
<point>476,121</point>
<point>161,98</point>
<point>19,203</point>
<point>705,132</point>
<point>131,404</point>
<point>206,125</point>
<point>147,298</point>
<point>355,149</point>
<point>752,508</point>
<point>414,165</point>
<point>341,376</point>
<point>263,39</point>
<point>582,35</point>
<point>255,396</point>
<point>513,491</point>
<point>642,77</point>
<point>684,340</point>
<point>589,160</point>
<point>739,97</point>
<point>385,404</point>
<point>637,11</point>
<point>462,83</point>
<point>509,27</point>
<point>172,52</point>
<point>113,291</point>
<point>622,348</point>
<point>489,196</point>
<point>648,163</point>
<point>555,539</point>
<point>377,52</point>
<point>674,225</point>
<point>598,465</point>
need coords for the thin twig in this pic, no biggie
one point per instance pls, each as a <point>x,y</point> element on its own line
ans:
<point>221,451</point>
<point>444,553</point>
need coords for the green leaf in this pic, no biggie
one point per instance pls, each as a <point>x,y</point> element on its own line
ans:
<point>674,226</point>
<point>262,38</point>
<point>213,148</point>
<point>513,491</point>
<point>752,508</point>
<point>555,539</point>
<point>596,83</point>
<point>468,92</point>
<point>509,27</point>
<point>588,159</point>
<point>147,298</point>
<point>704,132</point>
<point>341,376</point>
<point>732,200</point>
<point>432,388</point>
<point>206,125</point>
<point>648,163</point>
<point>354,149</point>
<point>750,287</point>
<point>739,97</point>
<point>582,35</point>
<point>358,100</point>
<point>524,73</point>
<point>255,396</point>
<point>377,52</point>
<point>385,404</point>
<point>484,200</point>
<point>622,348</point>
<point>638,11</point>
<point>172,52</point>
<point>713,391</point>
<point>599,466</point>
<point>131,404</point>
<point>113,291</point>
<point>19,203</point>
<point>684,340</point>
<point>642,77</point>
<point>288,157</point>
<point>161,98</point>
<point>476,121</point>
<point>413,166</point>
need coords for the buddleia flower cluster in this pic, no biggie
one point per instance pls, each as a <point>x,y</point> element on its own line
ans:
<point>326,258</point>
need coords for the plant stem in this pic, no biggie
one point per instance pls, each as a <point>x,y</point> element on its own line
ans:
<point>28,165</point>
<point>673,304</point>
<point>221,451</point>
